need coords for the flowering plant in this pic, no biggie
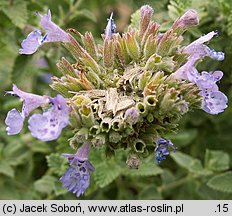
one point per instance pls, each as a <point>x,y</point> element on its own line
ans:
<point>127,93</point>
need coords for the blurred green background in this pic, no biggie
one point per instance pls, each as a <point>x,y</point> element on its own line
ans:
<point>30,169</point>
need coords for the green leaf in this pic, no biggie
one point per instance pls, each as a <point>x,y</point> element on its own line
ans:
<point>191,164</point>
<point>57,163</point>
<point>182,159</point>
<point>147,168</point>
<point>221,182</point>
<point>45,185</point>
<point>184,138</point>
<point>106,172</point>
<point>7,58</point>
<point>16,11</point>
<point>6,169</point>
<point>150,193</point>
<point>216,160</point>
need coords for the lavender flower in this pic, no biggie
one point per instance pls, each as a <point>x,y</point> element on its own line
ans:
<point>162,149</point>
<point>35,39</point>
<point>198,50</point>
<point>77,178</point>
<point>48,125</point>
<point>15,119</point>
<point>110,28</point>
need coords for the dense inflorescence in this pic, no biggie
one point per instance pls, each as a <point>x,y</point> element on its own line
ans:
<point>128,92</point>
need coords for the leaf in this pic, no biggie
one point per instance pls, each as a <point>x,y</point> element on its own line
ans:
<point>57,163</point>
<point>182,159</point>
<point>45,185</point>
<point>216,160</point>
<point>106,172</point>
<point>150,193</point>
<point>6,169</point>
<point>147,168</point>
<point>16,11</point>
<point>184,138</point>
<point>7,57</point>
<point>191,164</point>
<point>221,182</point>
<point>41,147</point>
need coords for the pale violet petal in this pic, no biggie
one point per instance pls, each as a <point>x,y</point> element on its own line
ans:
<point>14,121</point>
<point>31,43</point>
<point>215,102</point>
<point>48,125</point>
<point>30,101</point>
<point>110,28</point>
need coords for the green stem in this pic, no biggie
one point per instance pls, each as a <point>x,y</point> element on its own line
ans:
<point>173,185</point>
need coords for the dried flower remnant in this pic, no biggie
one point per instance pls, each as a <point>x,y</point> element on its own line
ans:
<point>125,93</point>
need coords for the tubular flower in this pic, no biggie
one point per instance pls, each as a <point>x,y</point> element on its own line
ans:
<point>162,149</point>
<point>77,177</point>
<point>35,39</point>
<point>46,126</point>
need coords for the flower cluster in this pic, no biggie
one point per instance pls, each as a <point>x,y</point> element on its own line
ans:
<point>127,92</point>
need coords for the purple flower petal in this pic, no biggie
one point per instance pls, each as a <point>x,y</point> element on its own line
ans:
<point>77,178</point>
<point>14,121</point>
<point>215,102</point>
<point>162,149</point>
<point>110,28</point>
<point>31,101</point>
<point>187,71</point>
<point>54,32</point>
<point>48,125</point>
<point>208,80</point>
<point>198,50</point>
<point>31,43</point>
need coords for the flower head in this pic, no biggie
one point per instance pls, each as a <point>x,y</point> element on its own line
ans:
<point>77,178</point>
<point>35,39</point>
<point>162,149</point>
<point>48,125</point>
